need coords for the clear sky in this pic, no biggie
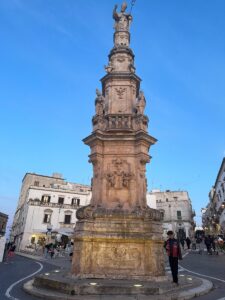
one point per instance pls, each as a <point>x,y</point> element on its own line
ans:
<point>52,55</point>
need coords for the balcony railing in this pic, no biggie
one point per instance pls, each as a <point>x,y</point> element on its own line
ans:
<point>53,205</point>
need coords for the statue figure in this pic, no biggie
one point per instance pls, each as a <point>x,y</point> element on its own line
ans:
<point>122,20</point>
<point>109,68</point>
<point>111,179</point>
<point>141,103</point>
<point>99,103</point>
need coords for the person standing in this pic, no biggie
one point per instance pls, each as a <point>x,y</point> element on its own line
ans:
<point>188,242</point>
<point>174,253</point>
<point>11,251</point>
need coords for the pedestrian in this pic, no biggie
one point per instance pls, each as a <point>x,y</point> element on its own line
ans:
<point>208,244</point>
<point>188,242</point>
<point>182,243</point>
<point>174,253</point>
<point>11,251</point>
<point>213,244</point>
<point>46,251</point>
<point>52,251</point>
<point>199,245</point>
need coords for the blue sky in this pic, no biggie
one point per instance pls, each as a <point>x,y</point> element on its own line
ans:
<point>52,56</point>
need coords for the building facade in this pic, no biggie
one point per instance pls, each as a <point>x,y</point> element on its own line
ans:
<point>3,223</point>
<point>46,209</point>
<point>213,217</point>
<point>176,211</point>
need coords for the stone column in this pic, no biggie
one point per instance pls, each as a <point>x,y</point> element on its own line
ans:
<point>118,235</point>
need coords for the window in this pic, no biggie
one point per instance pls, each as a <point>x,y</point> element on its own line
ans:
<point>75,201</point>
<point>47,218</point>
<point>45,199</point>
<point>167,200</point>
<point>36,183</point>
<point>60,200</point>
<point>67,219</point>
<point>179,217</point>
<point>162,215</point>
<point>175,198</point>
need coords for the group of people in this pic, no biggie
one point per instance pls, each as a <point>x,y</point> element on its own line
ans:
<point>173,249</point>
<point>214,244</point>
<point>54,250</point>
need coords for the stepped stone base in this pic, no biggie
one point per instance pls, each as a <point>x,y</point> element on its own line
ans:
<point>61,286</point>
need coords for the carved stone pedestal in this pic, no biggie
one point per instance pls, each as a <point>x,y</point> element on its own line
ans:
<point>118,245</point>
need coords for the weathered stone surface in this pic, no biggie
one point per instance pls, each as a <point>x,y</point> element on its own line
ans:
<point>67,285</point>
<point>117,236</point>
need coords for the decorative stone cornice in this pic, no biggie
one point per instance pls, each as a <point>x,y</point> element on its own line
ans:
<point>91,212</point>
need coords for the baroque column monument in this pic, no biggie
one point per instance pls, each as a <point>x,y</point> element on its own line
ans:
<point>118,246</point>
<point>118,236</point>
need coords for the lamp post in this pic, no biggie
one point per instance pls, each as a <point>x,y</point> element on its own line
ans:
<point>49,232</point>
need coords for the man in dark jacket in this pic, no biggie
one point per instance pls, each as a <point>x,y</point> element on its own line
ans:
<point>188,242</point>
<point>174,253</point>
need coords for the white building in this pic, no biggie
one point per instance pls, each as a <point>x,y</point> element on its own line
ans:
<point>47,207</point>
<point>176,210</point>
<point>213,218</point>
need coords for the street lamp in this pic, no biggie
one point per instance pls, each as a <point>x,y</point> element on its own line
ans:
<point>49,232</point>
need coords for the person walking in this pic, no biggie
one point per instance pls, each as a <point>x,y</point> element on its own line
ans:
<point>11,251</point>
<point>182,243</point>
<point>208,244</point>
<point>174,253</point>
<point>188,242</point>
<point>213,244</point>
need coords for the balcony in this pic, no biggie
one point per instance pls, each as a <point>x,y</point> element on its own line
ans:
<point>53,205</point>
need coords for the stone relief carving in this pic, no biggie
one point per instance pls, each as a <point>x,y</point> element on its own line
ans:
<point>141,103</point>
<point>85,212</point>
<point>120,176</point>
<point>110,179</point>
<point>120,258</point>
<point>121,58</point>
<point>120,92</point>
